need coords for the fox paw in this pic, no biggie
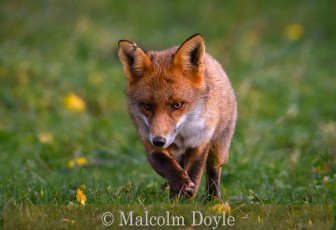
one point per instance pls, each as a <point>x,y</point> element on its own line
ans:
<point>188,189</point>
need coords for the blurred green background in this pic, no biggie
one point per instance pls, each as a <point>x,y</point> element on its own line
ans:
<point>63,116</point>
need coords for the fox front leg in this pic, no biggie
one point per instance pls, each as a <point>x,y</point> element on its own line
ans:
<point>194,161</point>
<point>179,181</point>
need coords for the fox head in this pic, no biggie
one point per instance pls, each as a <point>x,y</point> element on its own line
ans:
<point>165,88</point>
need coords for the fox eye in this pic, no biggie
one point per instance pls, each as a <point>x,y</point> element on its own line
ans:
<point>178,105</point>
<point>148,107</point>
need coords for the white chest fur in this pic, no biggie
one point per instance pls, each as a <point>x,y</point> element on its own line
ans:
<point>194,133</point>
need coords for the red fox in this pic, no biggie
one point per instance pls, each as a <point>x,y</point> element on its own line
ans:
<point>185,110</point>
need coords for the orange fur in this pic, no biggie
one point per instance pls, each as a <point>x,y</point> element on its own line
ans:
<point>185,110</point>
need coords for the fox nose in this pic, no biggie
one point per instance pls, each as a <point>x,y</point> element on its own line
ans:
<point>158,141</point>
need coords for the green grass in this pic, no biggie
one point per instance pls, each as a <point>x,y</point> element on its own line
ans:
<point>284,149</point>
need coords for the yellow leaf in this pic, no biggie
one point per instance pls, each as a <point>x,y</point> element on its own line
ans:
<point>293,31</point>
<point>80,196</point>
<point>78,162</point>
<point>81,161</point>
<point>74,103</point>
<point>222,207</point>
<point>71,164</point>
<point>45,137</point>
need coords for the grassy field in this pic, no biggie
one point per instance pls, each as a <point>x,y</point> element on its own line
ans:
<point>64,124</point>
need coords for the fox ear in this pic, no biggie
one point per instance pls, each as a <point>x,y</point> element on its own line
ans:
<point>135,61</point>
<point>190,55</point>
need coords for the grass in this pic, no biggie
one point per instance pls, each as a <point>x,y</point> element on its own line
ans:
<point>279,56</point>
